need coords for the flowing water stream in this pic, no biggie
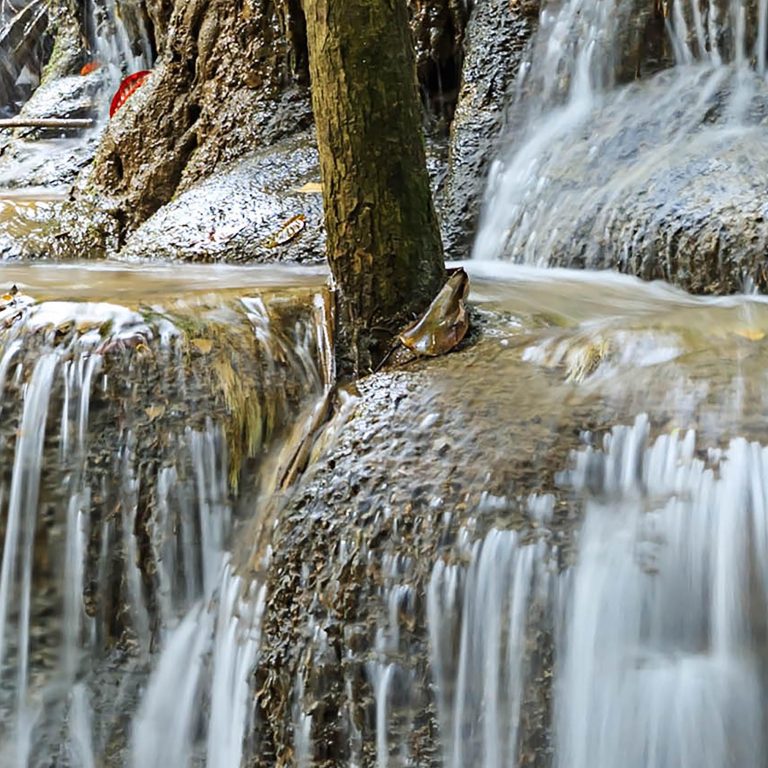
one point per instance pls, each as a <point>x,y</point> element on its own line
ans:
<point>597,598</point>
<point>130,626</point>
<point>595,171</point>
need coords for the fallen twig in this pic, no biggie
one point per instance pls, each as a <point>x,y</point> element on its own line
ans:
<point>63,123</point>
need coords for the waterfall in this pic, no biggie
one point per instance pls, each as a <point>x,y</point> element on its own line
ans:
<point>118,35</point>
<point>480,685</point>
<point>18,547</point>
<point>662,661</point>
<point>658,625</point>
<point>586,142</point>
<point>123,613</point>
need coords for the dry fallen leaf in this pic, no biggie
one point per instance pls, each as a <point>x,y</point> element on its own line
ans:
<point>750,334</point>
<point>445,322</point>
<point>288,231</point>
<point>204,346</point>
<point>311,188</point>
<point>154,411</point>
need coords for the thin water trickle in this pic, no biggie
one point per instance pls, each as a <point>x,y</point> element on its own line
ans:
<point>479,623</point>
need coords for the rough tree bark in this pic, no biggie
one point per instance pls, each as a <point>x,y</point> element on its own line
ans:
<point>383,245</point>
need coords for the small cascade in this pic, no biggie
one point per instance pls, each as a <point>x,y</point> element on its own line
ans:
<point>374,666</point>
<point>118,35</point>
<point>210,655</point>
<point>650,645</point>
<point>480,618</point>
<point>124,624</point>
<point>389,670</point>
<point>663,657</point>
<point>587,152</point>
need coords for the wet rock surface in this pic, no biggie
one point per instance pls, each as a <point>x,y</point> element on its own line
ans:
<point>243,214</point>
<point>701,225</point>
<point>237,215</point>
<point>25,43</point>
<point>422,466</point>
<point>219,61</point>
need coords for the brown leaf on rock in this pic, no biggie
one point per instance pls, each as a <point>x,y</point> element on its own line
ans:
<point>311,188</point>
<point>154,411</point>
<point>288,231</point>
<point>444,324</point>
<point>204,346</point>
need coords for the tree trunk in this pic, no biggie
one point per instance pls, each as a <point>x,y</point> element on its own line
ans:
<point>383,243</point>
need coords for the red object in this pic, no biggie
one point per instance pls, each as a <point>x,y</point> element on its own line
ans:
<point>91,66</point>
<point>127,87</point>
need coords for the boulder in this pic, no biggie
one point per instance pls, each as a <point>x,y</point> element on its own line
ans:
<point>237,215</point>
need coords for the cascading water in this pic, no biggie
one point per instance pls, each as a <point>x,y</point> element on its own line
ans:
<point>617,619</point>
<point>658,626</point>
<point>117,32</point>
<point>127,633</point>
<point>662,660</point>
<point>596,171</point>
<point>480,680</point>
<point>657,620</point>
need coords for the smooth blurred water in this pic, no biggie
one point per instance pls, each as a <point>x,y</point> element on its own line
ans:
<point>663,654</point>
<point>659,624</point>
<point>121,608</point>
<point>582,147</point>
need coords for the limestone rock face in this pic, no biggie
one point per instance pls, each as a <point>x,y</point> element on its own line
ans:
<point>236,214</point>
<point>418,467</point>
